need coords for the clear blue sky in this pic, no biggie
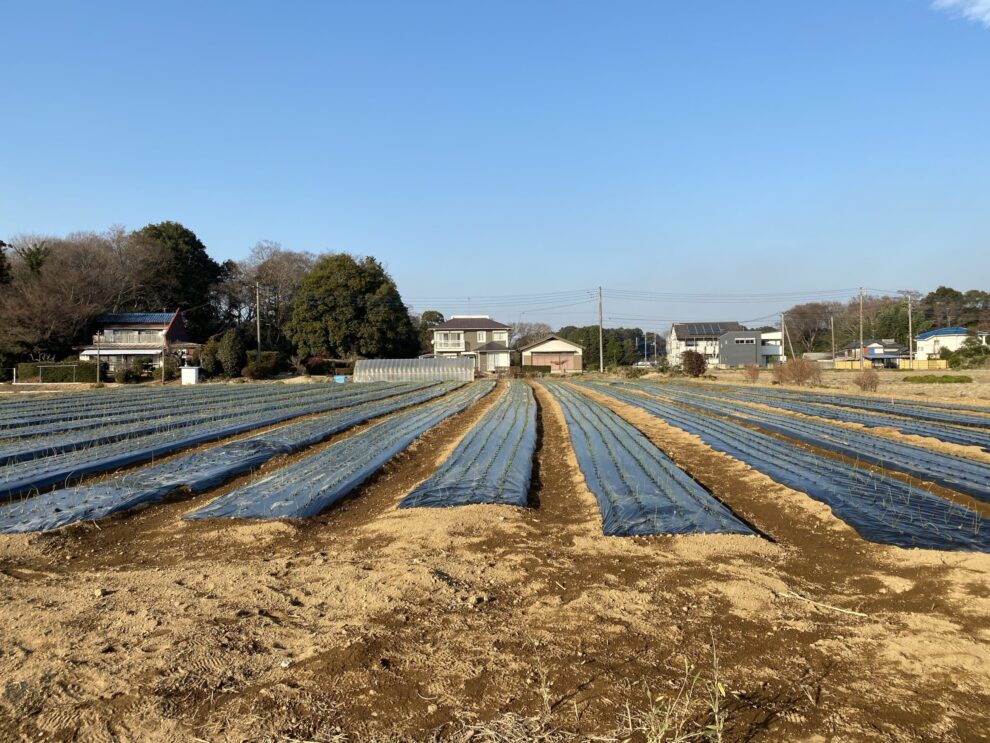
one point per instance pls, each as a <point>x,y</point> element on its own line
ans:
<point>521,148</point>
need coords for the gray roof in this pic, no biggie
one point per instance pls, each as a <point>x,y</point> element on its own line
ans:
<point>704,329</point>
<point>471,323</point>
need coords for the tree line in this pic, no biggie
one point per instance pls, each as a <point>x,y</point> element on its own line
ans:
<point>334,305</point>
<point>809,325</point>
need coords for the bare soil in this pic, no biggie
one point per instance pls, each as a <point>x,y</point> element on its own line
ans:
<point>489,623</point>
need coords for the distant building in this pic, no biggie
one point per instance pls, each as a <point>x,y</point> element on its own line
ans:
<point>121,337</point>
<point>884,353</point>
<point>702,337</point>
<point>772,345</point>
<point>929,345</point>
<point>477,336</point>
<point>561,355</point>
<point>739,348</point>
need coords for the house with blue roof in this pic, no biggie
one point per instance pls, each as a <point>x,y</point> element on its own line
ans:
<point>929,344</point>
<point>121,337</point>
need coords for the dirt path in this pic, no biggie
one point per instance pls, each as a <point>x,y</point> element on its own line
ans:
<point>373,621</point>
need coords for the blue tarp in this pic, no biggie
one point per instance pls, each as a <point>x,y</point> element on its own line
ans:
<point>639,490</point>
<point>311,485</point>
<point>493,463</point>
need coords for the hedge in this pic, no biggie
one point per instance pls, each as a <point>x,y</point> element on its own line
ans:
<point>939,379</point>
<point>85,371</point>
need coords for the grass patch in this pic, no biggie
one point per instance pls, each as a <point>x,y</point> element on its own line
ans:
<point>939,379</point>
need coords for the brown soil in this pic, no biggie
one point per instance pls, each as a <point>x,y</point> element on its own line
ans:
<point>373,622</point>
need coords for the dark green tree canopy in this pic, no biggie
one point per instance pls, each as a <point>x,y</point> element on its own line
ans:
<point>176,273</point>
<point>348,307</point>
<point>623,346</point>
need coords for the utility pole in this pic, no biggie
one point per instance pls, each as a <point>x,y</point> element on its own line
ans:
<point>785,334</point>
<point>601,335</point>
<point>781,337</point>
<point>831,323</point>
<point>656,352</point>
<point>99,346</point>
<point>907,293</point>
<point>861,359</point>
<point>257,315</point>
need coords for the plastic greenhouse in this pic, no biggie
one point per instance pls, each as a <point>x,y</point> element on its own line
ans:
<point>459,369</point>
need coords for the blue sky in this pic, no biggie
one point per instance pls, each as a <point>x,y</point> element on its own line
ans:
<point>523,151</point>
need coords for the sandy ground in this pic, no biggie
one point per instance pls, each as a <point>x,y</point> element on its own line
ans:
<point>490,623</point>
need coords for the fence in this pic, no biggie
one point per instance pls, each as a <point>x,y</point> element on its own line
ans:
<point>901,364</point>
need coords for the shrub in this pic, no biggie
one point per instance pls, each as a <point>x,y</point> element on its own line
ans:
<point>693,363</point>
<point>972,355</point>
<point>254,370</point>
<point>797,371</point>
<point>751,372</point>
<point>206,359</point>
<point>230,353</point>
<point>126,375</point>
<point>264,369</point>
<point>272,359</point>
<point>85,371</point>
<point>319,366</point>
<point>171,368</point>
<point>634,372</point>
<point>939,379</point>
<point>139,366</point>
<point>867,380</point>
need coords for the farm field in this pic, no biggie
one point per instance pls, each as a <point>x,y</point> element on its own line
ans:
<point>614,556</point>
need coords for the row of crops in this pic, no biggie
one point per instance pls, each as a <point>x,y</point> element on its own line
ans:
<point>309,486</point>
<point>879,507</point>
<point>197,471</point>
<point>952,434</point>
<point>865,403</point>
<point>493,463</point>
<point>58,461</point>
<point>638,488</point>
<point>949,471</point>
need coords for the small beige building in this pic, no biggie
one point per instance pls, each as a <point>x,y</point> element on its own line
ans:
<point>562,356</point>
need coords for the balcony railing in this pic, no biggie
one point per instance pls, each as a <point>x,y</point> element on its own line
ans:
<point>448,346</point>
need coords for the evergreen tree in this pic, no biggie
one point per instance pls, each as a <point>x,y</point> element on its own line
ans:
<point>348,308</point>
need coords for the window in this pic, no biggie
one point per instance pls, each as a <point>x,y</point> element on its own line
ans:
<point>746,341</point>
<point>501,335</point>
<point>481,336</point>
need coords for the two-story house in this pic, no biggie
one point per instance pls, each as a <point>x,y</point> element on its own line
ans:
<point>701,337</point>
<point>477,336</point>
<point>121,337</point>
<point>930,344</point>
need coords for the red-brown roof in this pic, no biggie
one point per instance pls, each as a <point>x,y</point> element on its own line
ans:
<point>471,323</point>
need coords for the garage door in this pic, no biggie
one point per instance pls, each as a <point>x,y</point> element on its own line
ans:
<point>556,361</point>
